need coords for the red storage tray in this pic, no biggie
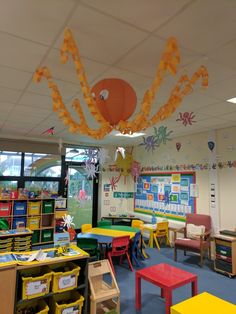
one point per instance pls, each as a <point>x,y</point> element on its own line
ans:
<point>5,209</point>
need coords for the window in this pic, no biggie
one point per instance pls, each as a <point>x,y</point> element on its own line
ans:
<point>81,154</point>
<point>10,163</point>
<point>42,165</point>
<point>50,187</point>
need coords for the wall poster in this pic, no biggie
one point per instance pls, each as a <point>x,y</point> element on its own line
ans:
<point>168,194</point>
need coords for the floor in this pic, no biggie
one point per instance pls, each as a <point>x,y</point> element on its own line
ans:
<point>208,280</point>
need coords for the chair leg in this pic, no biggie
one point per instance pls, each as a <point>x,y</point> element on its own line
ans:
<point>129,262</point>
<point>175,254</point>
<point>201,258</point>
<point>209,252</point>
<point>134,258</point>
<point>157,244</point>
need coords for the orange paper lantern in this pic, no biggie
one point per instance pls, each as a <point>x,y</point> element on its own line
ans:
<point>115,99</point>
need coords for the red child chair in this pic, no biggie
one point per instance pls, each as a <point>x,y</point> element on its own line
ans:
<point>120,247</point>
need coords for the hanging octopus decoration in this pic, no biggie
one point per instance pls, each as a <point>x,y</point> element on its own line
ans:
<point>102,100</point>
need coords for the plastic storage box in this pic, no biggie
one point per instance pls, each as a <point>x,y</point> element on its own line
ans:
<point>36,237</point>
<point>34,208</point>
<point>19,208</point>
<point>33,223</point>
<point>67,302</point>
<point>5,209</point>
<point>47,235</point>
<point>65,276</point>
<point>38,307</point>
<point>35,282</point>
<point>48,206</point>
<point>18,220</point>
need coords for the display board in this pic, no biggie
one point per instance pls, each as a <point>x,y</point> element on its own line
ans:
<point>167,194</point>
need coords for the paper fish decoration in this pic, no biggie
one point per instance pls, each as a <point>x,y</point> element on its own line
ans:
<point>178,146</point>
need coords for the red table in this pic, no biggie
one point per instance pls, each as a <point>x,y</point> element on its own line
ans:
<point>166,277</point>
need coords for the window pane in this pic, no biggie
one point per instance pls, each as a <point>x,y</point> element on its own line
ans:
<point>81,154</point>
<point>80,196</point>
<point>42,165</point>
<point>10,163</point>
<point>48,187</point>
<point>8,185</point>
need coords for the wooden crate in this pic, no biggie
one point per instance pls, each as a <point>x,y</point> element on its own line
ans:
<point>105,293</point>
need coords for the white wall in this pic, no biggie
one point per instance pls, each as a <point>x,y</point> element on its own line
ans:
<point>194,150</point>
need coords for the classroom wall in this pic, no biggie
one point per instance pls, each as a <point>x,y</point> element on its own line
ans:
<point>194,151</point>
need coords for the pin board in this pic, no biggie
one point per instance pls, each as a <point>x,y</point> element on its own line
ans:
<point>167,194</point>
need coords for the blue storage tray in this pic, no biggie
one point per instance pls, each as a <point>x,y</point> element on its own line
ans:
<point>18,219</point>
<point>19,208</point>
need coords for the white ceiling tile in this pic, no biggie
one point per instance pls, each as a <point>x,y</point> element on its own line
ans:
<point>217,72</point>
<point>203,26</point>
<point>5,109</point>
<point>20,54</point>
<point>9,95</point>
<point>217,109</point>
<point>66,89</point>
<point>231,116</point>
<point>36,101</point>
<point>39,21</point>
<point>67,71</point>
<point>12,78</point>
<point>225,55</point>
<point>138,13</point>
<point>145,58</point>
<point>223,90</point>
<point>115,38</point>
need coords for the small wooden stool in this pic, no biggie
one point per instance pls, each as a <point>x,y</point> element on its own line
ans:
<point>204,303</point>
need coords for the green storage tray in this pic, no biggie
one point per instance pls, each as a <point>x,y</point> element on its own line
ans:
<point>35,237</point>
<point>48,207</point>
<point>47,235</point>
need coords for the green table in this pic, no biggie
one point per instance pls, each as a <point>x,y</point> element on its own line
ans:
<point>121,228</point>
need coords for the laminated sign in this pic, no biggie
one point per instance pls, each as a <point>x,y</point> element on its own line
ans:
<point>36,287</point>
<point>66,281</point>
<point>71,310</point>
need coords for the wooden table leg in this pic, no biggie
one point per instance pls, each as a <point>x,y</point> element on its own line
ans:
<point>137,292</point>
<point>168,297</point>
<point>194,287</point>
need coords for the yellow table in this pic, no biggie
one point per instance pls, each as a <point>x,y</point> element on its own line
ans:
<point>111,232</point>
<point>204,303</point>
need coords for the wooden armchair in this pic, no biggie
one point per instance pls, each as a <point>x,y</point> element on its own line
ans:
<point>200,244</point>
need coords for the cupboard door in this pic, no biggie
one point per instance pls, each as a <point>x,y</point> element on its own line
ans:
<point>7,289</point>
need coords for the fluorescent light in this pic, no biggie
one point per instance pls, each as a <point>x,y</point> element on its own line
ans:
<point>233,100</point>
<point>136,134</point>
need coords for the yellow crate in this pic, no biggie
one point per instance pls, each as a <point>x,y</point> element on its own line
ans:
<point>60,213</point>
<point>33,222</point>
<point>35,282</point>
<point>60,303</point>
<point>34,208</point>
<point>40,304</point>
<point>67,279</point>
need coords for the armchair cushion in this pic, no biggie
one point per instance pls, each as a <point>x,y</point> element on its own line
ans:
<point>194,231</point>
<point>190,244</point>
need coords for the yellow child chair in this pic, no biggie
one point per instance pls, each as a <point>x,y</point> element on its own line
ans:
<point>162,231</point>
<point>138,224</point>
<point>86,227</point>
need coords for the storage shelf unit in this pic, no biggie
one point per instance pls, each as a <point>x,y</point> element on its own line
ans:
<point>225,255</point>
<point>35,214</point>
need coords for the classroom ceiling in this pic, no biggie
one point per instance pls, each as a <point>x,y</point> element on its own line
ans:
<point>121,39</point>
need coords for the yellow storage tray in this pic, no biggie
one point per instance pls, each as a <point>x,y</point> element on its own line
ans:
<point>33,222</point>
<point>38,305</point>
<point>34,208</point>
<point>67,302</point>
<point>35,282</point>
<point>21,239</point>
<point>65,276</point>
